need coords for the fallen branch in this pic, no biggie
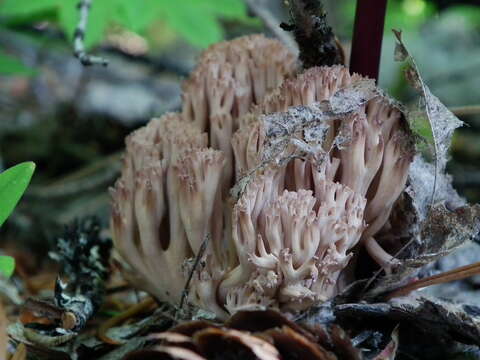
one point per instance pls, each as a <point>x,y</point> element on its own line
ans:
<point>79,37</point>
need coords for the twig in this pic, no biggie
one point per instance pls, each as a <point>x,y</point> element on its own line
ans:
<point>466,110</point>
<point>127,314</point>
<point>3,333</point>
<point>258,8</point>
<point>79,37</point>
<point>314,36</point>
<point>99,173</point>
<point>20,352</point>
<point>199,256</point>
<point>117,289</point>
<point>452,275</point>
<point>466,178</point>
<point>379,271</point>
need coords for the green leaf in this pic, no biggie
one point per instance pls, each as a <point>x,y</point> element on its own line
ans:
<point>198,27</point>
<point>13,183</point>
<point>195,20</point>
<point>12,66</point>
<point>7,266</point>
<point>231,9</point>
<point>21,8</point>
<point>100,17</point>
<point>138,15</point>
<point>68,16</point>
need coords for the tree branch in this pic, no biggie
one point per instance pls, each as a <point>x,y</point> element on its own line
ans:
<point>79,37</point>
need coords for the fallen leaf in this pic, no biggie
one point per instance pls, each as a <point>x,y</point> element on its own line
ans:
<point>21,353</point>
<point>3,333</point>
<point>442,121</point>
<point>437,320</point>
<point>390,351</point>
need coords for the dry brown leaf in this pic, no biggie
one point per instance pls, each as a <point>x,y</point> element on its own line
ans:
<point>292,345</point>
<point>443,232</point>
<point>21,353</point>
<point>437,218</point>
<point>177,353</point>
<point>390,351</point>
<point>209,341</point>
<point>442,121</point>
<point>3,333</point>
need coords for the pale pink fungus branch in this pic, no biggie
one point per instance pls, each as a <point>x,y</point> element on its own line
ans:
<point>199,173</point>
<point>282,232</point>
<point>312,183</point>
<point>314,85</point>
<point>230,78</point>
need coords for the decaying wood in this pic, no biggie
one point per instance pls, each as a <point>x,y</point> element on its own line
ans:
<point>439,320</point>
<point>84,256</point>
<point>313,35</point>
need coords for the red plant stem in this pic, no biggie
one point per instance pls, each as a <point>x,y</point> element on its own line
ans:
<point>367,37</point>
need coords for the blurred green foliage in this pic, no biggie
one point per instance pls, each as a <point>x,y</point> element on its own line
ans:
<point>468,12</point>
<point>198,21</point>
<point>407,15</point>
<point>7,266</point>
<point>12,66</point>
<point>401,14</point>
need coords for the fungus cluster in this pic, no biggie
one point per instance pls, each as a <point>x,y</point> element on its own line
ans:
<point>260,161</point>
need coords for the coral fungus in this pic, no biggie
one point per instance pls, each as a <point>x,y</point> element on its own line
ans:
<point>288,173</point>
